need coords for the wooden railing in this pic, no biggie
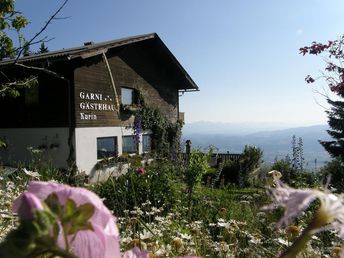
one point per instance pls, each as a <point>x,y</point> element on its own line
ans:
<point>216,158</point>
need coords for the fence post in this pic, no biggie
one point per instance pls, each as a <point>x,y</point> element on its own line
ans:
<point>188,147</point>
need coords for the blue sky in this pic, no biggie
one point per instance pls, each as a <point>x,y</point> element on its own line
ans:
<point>243,54</point>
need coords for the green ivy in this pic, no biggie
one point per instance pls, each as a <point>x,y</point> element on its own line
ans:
<point>165,134</point>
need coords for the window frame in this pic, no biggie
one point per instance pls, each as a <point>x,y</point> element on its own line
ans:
<point>143,143</point>
<point>135,144</point>
<point>133,96</point>
<point>115,144</point>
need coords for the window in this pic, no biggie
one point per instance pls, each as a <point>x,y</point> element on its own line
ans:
<point>127,96</point>
<point>146,143</point>
<point>128,144</point>
<point>106,147</point>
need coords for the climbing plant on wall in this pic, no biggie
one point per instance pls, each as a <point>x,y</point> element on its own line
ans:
<point>165,134</point>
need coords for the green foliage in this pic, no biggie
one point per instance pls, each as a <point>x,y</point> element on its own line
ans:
<point>43,49</point>
<point>250,160</point>
<point>166,135</point>
<point>198,165</point>
<point>293,176</point>
<point>334,171</point>
<point>230,173</point>
<point>9,19</point>
<point>227,203</point>
<point>157,185</point>
<point>287,170</point>
<point>335,147</point>
<point>31,236</point>
<point>38,236</point>
<point>3,143</point>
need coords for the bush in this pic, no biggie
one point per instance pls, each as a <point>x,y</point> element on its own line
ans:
<point>158,185</point>
<point>293,177</point>
<point>231,172</point>
<point>335,170</point>
<point>288,172</point>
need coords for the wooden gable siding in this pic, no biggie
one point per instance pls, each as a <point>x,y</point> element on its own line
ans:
<point>45,105</point>
<point>93,78</point>
<point>151,73</point>
<point>92,87</point>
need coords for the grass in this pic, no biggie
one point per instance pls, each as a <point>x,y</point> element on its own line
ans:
<point>153,213</point>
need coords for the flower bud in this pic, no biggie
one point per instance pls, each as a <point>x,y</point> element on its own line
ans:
<point>26,204</point>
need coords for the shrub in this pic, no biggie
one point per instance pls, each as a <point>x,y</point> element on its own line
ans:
<point>288,172</point>
<point>251,159</point>
<point>231,172</point>
<point>335,170</point>
<point>293,177</point>
<point>158,185</point>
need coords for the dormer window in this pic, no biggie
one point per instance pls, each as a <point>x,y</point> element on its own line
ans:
<point>127,96</point>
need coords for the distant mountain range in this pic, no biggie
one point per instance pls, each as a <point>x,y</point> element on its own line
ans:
<point>273,139</point>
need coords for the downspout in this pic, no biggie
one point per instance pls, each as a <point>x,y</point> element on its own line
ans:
<point>71,124</point>
<point>112,81</point>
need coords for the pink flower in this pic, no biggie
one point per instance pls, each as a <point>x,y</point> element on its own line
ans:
<point>141,170</point>
<point>330,214</point>
<point>26,204</point>
<point>103,240</point>
<point>136,253</point>
<point>188,256</point>
<point>295,201</point>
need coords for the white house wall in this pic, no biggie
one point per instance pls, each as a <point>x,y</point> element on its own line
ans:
<point>53,143</point>
<point>86,146</point>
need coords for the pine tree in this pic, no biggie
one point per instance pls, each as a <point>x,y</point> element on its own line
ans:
<point>301,159</point>
<point>334,76</point>
<point>336,123</point>
<point>43,49</point>
<point>295,152</point>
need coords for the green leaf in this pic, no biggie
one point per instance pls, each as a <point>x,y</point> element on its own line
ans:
<point>68,211</point>
<point>19,22</point>
<point>84,212</point>
<point>79,220</point>
<point>76,227</point>
<point>52,202</point>
<point>74,218</point>
<point>43,221</point>
<point>56,231</point>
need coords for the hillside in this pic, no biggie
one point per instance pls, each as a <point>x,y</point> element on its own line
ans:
<point>274,143</point>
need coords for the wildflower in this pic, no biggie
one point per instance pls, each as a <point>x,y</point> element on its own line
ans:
<point>136,242</point>
<point>295,201</point>
<point>145,235</point>
<point>292,231</point>
<point>223,210</point>
<point>222,223</point>
<point>31,173</point>
<point>282,241</point>
<point>104,236</point>
<point>136,253</point>
<point>336,251</point>
<point>177,243</point>
<point>330,215</point>
<point>141,170</point>
<point>26,204</point>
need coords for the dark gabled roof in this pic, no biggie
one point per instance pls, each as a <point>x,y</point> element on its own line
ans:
<point>91,49</point>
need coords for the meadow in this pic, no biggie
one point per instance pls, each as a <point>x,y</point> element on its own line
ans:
<point>174,209</point>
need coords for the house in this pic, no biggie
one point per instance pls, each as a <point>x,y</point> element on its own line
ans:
<point>75,114</point>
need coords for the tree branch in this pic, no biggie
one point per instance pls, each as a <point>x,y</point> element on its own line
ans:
<point>43,29</point>
<point>41,69</point>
